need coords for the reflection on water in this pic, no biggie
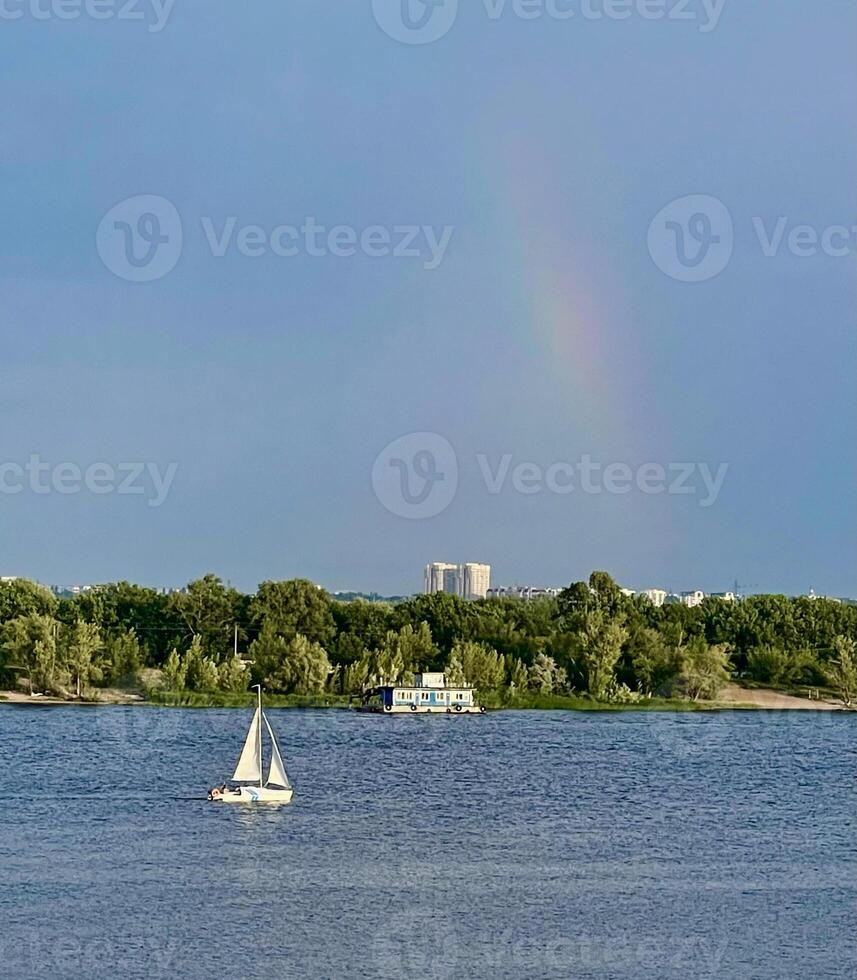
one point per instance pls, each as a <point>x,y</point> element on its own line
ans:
<point>512,845</point>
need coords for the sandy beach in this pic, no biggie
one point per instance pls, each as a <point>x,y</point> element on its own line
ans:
<point>104,697</point>
<point>774,700</point>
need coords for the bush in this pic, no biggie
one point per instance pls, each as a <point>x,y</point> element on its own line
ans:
<point>773,665</point>
<point>123,658</point>
<point>622,694</point>
<point>545,677</point>
<point>704,670</point>
<point>482,667</point>
<point>174,673</point>
<point>232,675</point>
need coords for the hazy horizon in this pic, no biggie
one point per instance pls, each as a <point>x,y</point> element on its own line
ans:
<point>418,590</point>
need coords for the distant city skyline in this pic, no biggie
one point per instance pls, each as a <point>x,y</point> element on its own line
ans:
<point>658,596</point>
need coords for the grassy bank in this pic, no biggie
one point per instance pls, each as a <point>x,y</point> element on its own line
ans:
<point>493,701</point>
<point>221,699</point>
<point>529,701</point>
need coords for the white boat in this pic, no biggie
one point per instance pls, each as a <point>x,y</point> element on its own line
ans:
<point>430,692</point>
<point>248,776</point>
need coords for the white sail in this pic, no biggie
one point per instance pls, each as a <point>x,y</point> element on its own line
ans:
<point>249,766</point>
<point>277,773</point>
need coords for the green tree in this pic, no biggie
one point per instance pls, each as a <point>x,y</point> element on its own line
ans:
<point>360,626</point>
<point>483,667</point>
<point>356,676</point>
<point>454,671</point>
<point>292,608</point>
<point>517,674</point>
<point>449,618</point>
<point>387,664</point>
<point>266,654</point>
<point>30,645</point>
<point>208,675</point>
<point>583,599</point>
<point>404,652</point>
<point>678,624</point>
<point>768,664</point>
<point>21,597</point>
<point>545,676</point>
<point>123,656</point>
<point>704,670</point>
<point>232,675</point>
<point>655,664</point>
<point>175,672</point>
<point>194,665</point>
<point>348,649</point>
<point>512,627</point>
<point>775,665</point>
<point>210,611</point>
<point>121,606</point>
<point>83,644</point>
<point>600,642</point>
<point>843,669</point>
<point>304,670</point>
<point>416,647</point>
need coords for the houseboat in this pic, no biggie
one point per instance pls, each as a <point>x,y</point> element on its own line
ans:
<point>430,693</point>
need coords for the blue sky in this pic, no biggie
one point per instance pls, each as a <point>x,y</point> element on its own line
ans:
<point>270,385</point>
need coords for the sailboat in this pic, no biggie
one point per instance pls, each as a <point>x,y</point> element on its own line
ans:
<point>249,771</point>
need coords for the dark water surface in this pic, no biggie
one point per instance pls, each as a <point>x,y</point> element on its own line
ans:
<point>541,844</point>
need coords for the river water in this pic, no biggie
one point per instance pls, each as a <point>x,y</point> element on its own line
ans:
<point>519,844</point>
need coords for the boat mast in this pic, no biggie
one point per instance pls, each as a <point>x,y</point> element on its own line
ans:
<point>259,732</point>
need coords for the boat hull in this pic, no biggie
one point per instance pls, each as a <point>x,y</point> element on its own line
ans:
<point>405,709</point>
<point>253,794</point>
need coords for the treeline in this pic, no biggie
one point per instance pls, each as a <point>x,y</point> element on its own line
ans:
<point>294,638</point>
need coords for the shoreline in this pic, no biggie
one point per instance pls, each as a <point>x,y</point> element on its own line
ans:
<point>35,700</point>
<point>733,698</point>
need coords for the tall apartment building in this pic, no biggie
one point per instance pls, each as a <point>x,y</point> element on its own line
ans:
<point>440,576</point>
<point>471,580</point>
<point>476,580</point>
